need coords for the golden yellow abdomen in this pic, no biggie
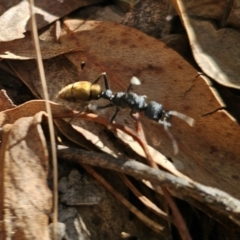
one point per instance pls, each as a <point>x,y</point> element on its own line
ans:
<point>82,90</point>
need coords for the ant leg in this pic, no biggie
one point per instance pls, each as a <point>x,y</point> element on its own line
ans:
<point>174,142</point>
<point>115,114</point>
<point>129,88</point>
<point>132,116</point>
<point>74,117</point>
<point>95,107</point>
<point>92,108</point>
<point>86,108</point>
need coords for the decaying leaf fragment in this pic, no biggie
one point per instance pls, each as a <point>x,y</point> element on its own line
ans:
<point>15,15</point>
<point>80,136</point>
<point>27,200</point>
<point>5,101</point>
<point>216,47</point>
<point>29,109</point>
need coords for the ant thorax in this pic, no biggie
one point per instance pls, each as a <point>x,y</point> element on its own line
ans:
<point>107,94</point>
<point>129,100</point>
<point>154,111</point>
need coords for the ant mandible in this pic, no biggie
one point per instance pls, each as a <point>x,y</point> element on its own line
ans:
<point>86,91</point>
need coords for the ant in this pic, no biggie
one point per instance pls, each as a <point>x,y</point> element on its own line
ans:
<point>86,91</point>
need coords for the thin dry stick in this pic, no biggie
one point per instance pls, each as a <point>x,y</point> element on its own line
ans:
<point>193,191</point>
<point>156,227</point>
<point>50,118</point>
<point>148,203</point>
<point>178,219</point>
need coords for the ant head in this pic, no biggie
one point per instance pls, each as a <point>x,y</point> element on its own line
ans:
<point>107,94</point>
<point>165,119</point>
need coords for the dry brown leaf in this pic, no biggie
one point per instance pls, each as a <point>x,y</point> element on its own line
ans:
<point>126,5</point>
<point>27,200</point>
<point>207,8</point>
<point>5,101</point>
<point>75,136</point>
<point>94,139</point>
<point>50,47</point>
<point>59,70</point>
<point>215,49</point>
<point>15,15</point>
<point>23,49</point>
<point>159,158</point>
<point>167,78</point>
<point>149,16</point>
<point>234,16</point>
<point>29,109</point>
<point>80,137</point>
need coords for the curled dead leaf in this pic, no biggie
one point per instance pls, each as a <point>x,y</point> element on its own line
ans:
<point>215,49</point>
<point>29,109</point>
<point>5,101</point>
<point>27,199</point>
<point>13,19</point>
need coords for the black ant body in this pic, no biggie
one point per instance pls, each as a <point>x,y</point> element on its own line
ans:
<point>84,90</point>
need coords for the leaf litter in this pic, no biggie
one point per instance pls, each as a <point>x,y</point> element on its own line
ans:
<point>153,63</point>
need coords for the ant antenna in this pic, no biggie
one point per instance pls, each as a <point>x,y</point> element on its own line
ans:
<point>190,121</point>
<point>106,80</point>
<point>182,116</point>
<point>104,75</point>
<point>133,81</point>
